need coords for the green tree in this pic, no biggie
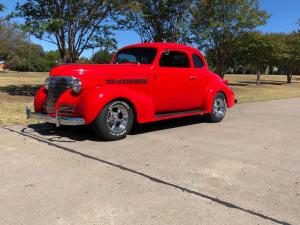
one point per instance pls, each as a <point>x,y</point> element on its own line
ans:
<point>102,57</point>
<point>19,54</point>
<point>158,20</point>
<point>286,54</point>
<point>217,24</point>
<point>291,55</point>
<point>256,49</point>
<point>1,7</point>
<point>72,25</point>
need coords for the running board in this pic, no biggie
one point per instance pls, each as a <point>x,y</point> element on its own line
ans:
<point>180,113</point>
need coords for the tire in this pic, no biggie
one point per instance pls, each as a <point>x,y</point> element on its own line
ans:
<point>115,121</point>
<point>219,108</point>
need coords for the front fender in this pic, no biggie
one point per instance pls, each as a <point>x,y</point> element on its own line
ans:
<point>39,99</point>
<point>95,99</point>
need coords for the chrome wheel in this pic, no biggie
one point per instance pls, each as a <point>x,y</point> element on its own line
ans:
<point>219,107</point>
<point>117,118</point>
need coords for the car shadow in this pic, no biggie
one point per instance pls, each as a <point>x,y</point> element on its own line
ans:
<point>166,124</point>
<point>83,133</point>
<point>62,133</point>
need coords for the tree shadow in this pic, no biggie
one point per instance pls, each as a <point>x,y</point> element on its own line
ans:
<point>83,133</point>
<point>20,90</point>
<point>238,84</point>
<point>267,82</point>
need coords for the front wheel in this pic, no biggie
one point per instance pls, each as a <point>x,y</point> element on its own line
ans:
<point>219,108</point>
<point>115,121</point>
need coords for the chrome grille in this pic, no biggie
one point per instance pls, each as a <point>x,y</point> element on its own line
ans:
<point>57,86</point>
<point>65,110</point>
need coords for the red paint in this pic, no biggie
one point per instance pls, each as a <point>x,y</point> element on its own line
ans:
<point>155,89</point>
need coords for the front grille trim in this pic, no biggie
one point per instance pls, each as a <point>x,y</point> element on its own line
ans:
<point>66,110</point>
<point>57,86</point>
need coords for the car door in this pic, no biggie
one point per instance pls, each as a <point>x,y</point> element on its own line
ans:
<point>199,84</point>
<point>173,82</point>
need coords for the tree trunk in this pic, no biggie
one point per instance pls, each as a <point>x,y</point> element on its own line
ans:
<point>220,67</point>
<point>289,77</point>
<point>257,75</point>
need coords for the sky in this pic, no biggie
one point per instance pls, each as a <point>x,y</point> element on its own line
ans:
<point>284,15</point>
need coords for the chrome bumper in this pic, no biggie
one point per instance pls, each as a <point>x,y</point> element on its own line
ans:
<point>71,121</point>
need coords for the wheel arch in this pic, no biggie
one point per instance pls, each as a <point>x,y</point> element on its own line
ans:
<point>128,101</point>
<point>211,93</point>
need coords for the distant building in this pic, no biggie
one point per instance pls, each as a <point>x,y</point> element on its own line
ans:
<point>2,65</point>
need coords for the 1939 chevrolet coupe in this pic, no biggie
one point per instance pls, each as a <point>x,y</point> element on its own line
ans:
<point>143,83</point>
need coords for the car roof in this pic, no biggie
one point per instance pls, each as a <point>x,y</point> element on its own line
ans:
<point>162,45</point>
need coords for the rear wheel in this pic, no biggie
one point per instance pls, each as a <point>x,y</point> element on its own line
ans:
<point>115,121</point>
<point>219,108</point>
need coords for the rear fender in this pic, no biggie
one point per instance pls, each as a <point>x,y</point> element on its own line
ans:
<point>94,100</point>
<point>213,89</point>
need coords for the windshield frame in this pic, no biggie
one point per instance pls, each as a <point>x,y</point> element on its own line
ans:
<point>152,58</point>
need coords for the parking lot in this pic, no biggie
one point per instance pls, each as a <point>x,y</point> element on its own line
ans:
<point>244,170</point>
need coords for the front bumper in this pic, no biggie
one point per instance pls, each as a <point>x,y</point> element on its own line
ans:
<point>71,121</point>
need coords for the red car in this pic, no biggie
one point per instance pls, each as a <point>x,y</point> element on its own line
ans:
<point>143,83</point>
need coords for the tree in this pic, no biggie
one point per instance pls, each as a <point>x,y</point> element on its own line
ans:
<point>102,57</point>
<point>217,24</point>
<point>11,38</point>
<point>256,49</point>
<point>72,25</point>
<point>158,20</point>
<point>19,54</point>
<point>1,7</point>
<point>291,55</point>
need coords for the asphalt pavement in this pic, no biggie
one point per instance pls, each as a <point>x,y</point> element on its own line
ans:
<point>244,170</point>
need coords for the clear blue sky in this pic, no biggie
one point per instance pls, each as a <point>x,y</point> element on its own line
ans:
<point>284,14</point>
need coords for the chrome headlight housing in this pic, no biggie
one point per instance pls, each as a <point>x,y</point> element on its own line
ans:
<point>77,85</point>
<point>47,82</point>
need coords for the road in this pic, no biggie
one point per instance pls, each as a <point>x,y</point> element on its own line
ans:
<point>244,170</point>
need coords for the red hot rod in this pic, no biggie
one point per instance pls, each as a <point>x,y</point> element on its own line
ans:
<point>143,83</point>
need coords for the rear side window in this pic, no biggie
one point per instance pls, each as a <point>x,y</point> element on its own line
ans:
<point>175,59</point>
<point>198,63</point>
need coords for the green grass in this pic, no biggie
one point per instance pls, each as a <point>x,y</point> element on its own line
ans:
<point>271,87</point>
<point>17,90</point>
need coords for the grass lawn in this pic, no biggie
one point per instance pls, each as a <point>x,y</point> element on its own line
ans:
<point>271,87</point>
<point>17,90</point>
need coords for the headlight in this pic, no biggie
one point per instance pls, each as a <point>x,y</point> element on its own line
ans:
<point>47,81</point>
<point>76,85</point>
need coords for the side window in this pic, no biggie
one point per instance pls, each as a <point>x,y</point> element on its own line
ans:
<point>175,59</point>
<point>126,58</point>
<point>198,63</point>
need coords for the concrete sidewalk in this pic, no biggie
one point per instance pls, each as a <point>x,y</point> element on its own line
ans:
<point>244,170</point>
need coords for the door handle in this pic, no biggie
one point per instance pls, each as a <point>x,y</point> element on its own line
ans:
<point>192,77</point>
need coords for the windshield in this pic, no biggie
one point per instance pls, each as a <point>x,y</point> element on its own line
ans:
<point>135,55</point>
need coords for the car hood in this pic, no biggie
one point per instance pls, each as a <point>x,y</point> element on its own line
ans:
<point>100,70</point>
